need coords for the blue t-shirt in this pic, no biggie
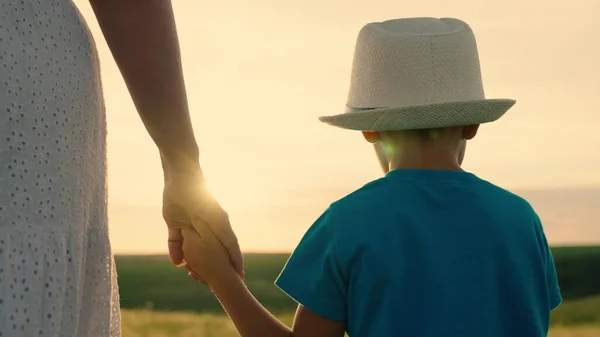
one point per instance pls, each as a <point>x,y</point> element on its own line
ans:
<point>426,253</point>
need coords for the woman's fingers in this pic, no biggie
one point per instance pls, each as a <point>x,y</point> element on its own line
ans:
<point>225,234</point>
<point>175,243</point>
<point>222,233</point>
<point>236,257</point>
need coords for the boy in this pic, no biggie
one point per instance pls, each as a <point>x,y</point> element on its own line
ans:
<point>429,249</point>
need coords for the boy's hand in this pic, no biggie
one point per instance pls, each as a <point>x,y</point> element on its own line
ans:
<point>205,256</point>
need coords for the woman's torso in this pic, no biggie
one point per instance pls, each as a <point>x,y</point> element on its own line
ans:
<point>57,275</point>
<point>52,119</point>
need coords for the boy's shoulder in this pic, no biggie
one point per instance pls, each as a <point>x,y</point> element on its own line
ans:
<point>381,193</point>
<point>365,191</point>
<point>509,197</point>
<point>362,200</point>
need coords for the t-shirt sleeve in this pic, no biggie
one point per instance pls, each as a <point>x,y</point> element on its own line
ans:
<point>554,295</point>
<point>313,276</point>
<point>553,287</point>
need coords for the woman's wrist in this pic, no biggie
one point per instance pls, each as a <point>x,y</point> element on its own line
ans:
<point>180,165</point>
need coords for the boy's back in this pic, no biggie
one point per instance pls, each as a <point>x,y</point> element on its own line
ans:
<point>428,250</point>
<point>427,253</point>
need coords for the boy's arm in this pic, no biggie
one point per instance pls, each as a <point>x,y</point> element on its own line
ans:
<point>252,319</point>
<point>311,276</point>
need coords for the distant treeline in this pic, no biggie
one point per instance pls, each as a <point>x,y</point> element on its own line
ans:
<point>151,282</point>
<point>578,270</point>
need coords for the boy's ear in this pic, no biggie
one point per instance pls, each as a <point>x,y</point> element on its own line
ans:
<point>470,131</point>
<point>371,137</point>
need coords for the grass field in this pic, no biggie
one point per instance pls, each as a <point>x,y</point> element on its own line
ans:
<point>186,308</point>
<point>144,323</point>
<point>575,251</point>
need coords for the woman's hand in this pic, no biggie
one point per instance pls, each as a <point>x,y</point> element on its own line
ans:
<point>188,205</point>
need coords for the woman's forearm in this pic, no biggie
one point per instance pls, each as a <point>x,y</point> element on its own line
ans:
<point>249,317</point>
<point>142,37</point>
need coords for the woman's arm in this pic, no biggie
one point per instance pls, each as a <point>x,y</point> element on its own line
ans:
<point>142,37</point>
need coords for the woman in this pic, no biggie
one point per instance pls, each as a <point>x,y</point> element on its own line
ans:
<point>57,275</point>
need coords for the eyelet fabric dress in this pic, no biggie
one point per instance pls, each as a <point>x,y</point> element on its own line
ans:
<point>57,272</point>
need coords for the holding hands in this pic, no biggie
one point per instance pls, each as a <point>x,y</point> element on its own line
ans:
<point>201,239</point>
<point>188,207</point>
<point>206,257</point>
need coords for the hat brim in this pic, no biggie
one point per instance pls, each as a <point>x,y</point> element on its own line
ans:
<point>422,116</point>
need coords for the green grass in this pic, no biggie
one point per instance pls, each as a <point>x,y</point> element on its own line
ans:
<point>152,282</point>
<point>578,274</point>
<point>566,252</point>
<point>578,312</point>
<point>138,323</point>
<point>144,323</point>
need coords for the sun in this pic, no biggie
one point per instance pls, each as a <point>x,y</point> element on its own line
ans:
<point>236,192</point>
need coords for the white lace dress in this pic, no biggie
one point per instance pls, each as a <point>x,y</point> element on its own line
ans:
<point>57,275</point>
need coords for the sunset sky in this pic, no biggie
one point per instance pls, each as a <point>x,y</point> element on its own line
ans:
<point>260,72</point>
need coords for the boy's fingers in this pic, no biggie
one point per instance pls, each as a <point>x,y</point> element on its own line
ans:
<point>197,278</point>
<point>194,275</point>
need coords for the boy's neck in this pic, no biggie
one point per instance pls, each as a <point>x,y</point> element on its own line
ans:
<point>426,158</point>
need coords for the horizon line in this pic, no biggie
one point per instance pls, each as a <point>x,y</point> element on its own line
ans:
<point>259,252</point>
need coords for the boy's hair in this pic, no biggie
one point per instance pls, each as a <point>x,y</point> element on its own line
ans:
<point>421,134</point>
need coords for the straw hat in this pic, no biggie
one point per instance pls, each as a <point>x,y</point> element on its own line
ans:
<point>416,73</point>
